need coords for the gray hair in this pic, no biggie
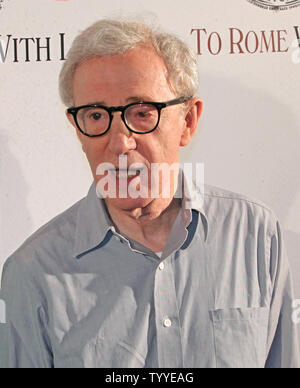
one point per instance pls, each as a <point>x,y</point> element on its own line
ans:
<point>108,37</point>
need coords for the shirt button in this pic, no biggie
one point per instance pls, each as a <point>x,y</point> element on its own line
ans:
<point>167,322</point>
<point>161,266</point>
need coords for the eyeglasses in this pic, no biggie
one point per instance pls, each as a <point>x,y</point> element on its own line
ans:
<point>139,117</point>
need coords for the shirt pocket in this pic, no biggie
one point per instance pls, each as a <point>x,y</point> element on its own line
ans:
<point>126,356</point>
<point>240,336</point>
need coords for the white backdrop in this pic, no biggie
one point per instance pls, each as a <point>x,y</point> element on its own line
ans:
<point>248,137</point>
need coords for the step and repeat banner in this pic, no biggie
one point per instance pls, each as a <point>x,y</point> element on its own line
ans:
<point>248,137</point>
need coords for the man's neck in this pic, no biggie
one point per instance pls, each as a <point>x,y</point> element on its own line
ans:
<point>151,225</point>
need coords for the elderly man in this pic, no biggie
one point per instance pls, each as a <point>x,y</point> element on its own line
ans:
<point>146,280</point>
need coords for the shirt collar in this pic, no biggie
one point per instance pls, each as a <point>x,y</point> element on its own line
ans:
<point>194,199</point>
<point>93,221</point>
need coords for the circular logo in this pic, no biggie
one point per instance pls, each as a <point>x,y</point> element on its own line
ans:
<point>276,5</point>
<point>1,4</point>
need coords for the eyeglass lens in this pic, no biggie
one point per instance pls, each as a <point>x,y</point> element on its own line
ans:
<point>139,117</point>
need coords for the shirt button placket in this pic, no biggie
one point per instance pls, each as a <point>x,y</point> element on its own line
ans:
<point>169,346</point>
<point>167,322</point>
<point>161,266</point>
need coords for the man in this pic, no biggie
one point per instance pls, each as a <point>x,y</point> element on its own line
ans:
<point>149,280</point>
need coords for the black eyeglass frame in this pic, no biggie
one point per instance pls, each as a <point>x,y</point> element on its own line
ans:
<point>159,106</point>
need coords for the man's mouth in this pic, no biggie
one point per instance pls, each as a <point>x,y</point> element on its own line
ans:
<point>125,174</point>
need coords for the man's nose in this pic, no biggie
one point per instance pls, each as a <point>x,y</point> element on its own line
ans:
<point>121,139</point>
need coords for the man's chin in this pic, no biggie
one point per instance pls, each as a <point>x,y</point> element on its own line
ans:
<point>128,203</point>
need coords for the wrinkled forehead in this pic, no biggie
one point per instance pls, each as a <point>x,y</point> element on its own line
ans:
<point>138,71</point>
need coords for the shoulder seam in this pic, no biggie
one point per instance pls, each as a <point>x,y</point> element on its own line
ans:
<point>48,226</point>
<point>244,199</point>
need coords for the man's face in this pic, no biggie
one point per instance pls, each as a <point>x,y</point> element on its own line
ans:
<point>138,75</point>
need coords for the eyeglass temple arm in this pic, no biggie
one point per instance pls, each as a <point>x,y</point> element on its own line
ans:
<point>177,101</point>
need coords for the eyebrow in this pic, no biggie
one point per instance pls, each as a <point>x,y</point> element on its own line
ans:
<point>139,98</point>
<point>128,100</point>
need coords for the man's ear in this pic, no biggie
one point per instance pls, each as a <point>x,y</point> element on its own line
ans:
<point>192,116</point>
<point>79,135</point>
